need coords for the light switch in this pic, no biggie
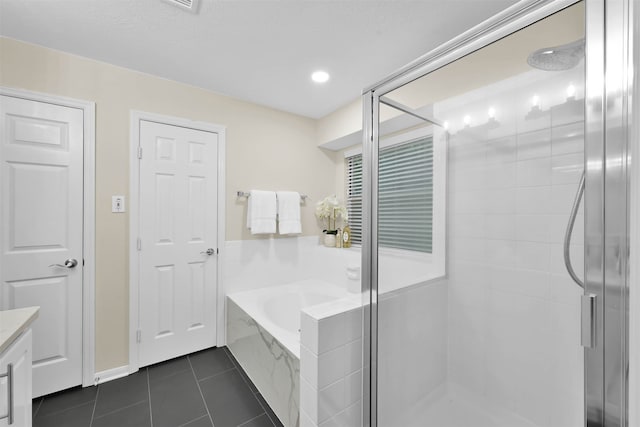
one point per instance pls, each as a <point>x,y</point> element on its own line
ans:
<point>117,204</point>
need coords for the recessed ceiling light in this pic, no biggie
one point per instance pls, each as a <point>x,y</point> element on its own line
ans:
<point>320,76</point>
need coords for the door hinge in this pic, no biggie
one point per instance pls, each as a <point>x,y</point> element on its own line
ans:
<point>139,244</point>
<point>217,251</point>
<point>139,152</point>
<point>138,336</point>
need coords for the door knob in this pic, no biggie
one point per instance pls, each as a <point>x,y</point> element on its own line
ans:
<point>209,251</point>
<point>70,263</point>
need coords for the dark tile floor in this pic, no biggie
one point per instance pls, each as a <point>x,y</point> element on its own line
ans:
<point>203,389</point>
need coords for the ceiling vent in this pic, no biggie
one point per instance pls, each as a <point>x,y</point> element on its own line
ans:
<point>188,5</point>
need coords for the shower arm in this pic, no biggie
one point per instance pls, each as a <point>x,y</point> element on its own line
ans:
<point>569,232</point>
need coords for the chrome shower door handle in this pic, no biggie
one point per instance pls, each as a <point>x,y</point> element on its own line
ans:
<point>209,251</point>
<point>9,376</point>
<point>588,321</point>
<point>70,263</point>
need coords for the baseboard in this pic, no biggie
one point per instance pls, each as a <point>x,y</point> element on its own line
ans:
<point>111,374</point>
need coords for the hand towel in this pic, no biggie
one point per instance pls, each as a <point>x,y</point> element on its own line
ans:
<point>261,212</point>
<point>289,212</point>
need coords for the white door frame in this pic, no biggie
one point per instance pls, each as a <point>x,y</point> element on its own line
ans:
<point>88,233</point>
<point>134,223</point>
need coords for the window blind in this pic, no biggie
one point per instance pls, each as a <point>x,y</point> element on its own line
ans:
<point>405,198</point>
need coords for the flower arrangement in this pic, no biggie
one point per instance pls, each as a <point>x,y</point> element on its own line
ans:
<point>330,209</point>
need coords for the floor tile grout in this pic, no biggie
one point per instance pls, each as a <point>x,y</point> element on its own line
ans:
<point>68,409</point>
<point>86,415</point>
<point>240,371</point>
<point>264,409</point>
<point>116,410</point>
<point>257,416</point>
<point>193,372</point>
<point>196,419</point>
<point>215,375</point>
<point>35,414</point>
<point>173,374</point>
<point>245,377</point>
<point>95,403</point>
<point>149,391</point>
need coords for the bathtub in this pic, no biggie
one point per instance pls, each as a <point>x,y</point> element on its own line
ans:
<point>263,333</point>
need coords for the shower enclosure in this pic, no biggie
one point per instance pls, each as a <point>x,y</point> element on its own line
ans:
<point>511,306</point>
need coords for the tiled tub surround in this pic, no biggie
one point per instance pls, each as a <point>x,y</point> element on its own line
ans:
<point>271,367</point>
<point>331,364</point>
<point>513,310</point>
<point>263,334</point>
<point>256,264</point>
<point>260,263</point>
<point>263,266</point>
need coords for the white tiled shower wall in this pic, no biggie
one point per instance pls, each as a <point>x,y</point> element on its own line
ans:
<point>331,365</point>
<point>412,350</point>
<point>253,264</point>
<point>513,310</point>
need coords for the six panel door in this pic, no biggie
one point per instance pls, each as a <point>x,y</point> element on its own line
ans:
<point>178,224</point>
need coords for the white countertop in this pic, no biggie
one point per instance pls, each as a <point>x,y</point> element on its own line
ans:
<point>14,322</point>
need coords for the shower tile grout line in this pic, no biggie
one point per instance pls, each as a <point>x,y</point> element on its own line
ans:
<point>193,372</point>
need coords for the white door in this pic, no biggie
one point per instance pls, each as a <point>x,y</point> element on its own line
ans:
<point>41,157</point>
<point>178,224</point>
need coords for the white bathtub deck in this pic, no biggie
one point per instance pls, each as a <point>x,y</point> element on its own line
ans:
<point>277,308</point>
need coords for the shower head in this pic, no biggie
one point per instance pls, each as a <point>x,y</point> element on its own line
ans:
<point>557,58</point>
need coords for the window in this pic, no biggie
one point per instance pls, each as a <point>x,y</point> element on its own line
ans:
<point>405,197</point>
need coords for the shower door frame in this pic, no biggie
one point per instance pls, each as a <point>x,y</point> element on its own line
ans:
<point>609,30</point>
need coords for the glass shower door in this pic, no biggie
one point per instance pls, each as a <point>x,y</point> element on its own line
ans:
<point>475,169</point>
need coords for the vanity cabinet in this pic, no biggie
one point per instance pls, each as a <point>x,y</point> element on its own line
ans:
<point>15,382</point>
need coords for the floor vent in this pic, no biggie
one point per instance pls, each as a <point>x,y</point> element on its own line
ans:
<point>189,5</point>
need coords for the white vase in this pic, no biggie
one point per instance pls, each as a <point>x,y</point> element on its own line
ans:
<point>330,240</point>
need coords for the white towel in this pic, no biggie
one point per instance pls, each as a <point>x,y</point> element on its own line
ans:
<point>261,212</point>
<point>289,212</point>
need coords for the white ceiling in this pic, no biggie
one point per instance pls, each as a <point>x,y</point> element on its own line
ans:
<point>261,51</point>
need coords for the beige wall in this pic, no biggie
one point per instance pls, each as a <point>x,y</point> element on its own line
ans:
<point>347,121</point>
<point>266,149</point>
<point>344,121</point>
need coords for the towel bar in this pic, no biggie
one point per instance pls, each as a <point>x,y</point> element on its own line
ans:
<point>247,194</point>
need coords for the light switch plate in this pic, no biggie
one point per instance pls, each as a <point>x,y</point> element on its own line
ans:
<point>117,204</point>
